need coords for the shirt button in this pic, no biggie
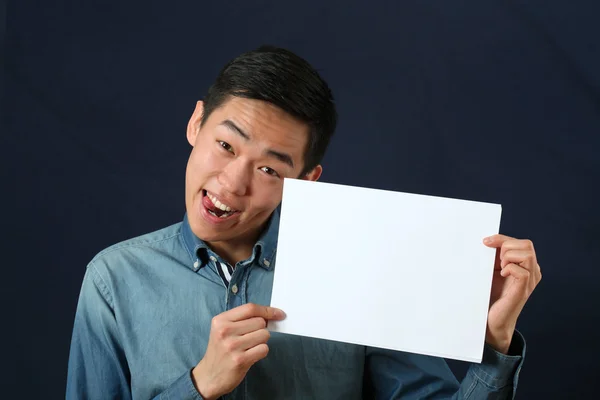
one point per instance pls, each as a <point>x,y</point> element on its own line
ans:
<point>234,289</point>
<point>213,259</point>
<point>196,264</point>
<point>266,262</point>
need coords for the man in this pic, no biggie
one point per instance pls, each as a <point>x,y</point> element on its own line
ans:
<point>181,313</point>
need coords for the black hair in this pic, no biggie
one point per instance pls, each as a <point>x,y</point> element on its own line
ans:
<point>284,79</point>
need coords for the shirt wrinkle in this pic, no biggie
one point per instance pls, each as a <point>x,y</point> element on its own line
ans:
<point>146,295</point>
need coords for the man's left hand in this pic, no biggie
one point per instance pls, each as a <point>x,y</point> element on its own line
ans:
<point>516,274</point>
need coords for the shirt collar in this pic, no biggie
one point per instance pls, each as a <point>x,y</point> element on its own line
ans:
<point>265,247</point>
<point>267,242</point>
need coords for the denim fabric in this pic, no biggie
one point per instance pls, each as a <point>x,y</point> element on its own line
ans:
<point>144,316</point>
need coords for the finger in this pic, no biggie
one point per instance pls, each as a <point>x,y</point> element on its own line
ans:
<point>248,325</point>
<point>251,310</point>
<point>253,339</point>
<point>517,244</point>
<point>497,260</point>
<point>525,258</point>
<point>496,241</point>
<point>256,353</point>
<point>516,271</point>
<point>536,275</point>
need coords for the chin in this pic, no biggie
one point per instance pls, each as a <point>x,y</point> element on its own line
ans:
<point>206,233</point>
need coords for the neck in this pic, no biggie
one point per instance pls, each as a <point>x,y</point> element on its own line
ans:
<point>239,248</point>
<point>236,250</point>
<point>232,252</point>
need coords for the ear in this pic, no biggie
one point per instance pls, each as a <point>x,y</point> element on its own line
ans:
<point>314,174</point>
<point>193,126</point>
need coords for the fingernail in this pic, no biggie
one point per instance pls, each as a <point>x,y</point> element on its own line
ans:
<point>487,240</point>
<point>280,314</point>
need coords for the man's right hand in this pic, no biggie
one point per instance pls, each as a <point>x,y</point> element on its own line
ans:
<point>238,339</point>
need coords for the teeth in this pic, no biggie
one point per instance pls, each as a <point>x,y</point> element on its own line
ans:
<point>222,206</point>
<point>227,214</point>
<point>217,203</point>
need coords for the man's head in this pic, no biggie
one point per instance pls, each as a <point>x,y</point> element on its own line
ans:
<point>268,116</point>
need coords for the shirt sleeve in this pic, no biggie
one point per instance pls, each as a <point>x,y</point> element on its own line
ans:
<point>393,375</point>
<point>182,388</point>
<point>97,362</point>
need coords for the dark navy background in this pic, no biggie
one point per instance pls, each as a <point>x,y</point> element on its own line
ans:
<point>494,101</point>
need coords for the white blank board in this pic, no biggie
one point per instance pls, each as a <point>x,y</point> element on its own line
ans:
<point>385,269</point>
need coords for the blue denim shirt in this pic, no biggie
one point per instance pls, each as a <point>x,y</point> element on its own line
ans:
<point>144,316</point>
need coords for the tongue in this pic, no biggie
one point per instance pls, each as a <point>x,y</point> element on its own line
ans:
<point>210,206</point>
<point>218,211</point>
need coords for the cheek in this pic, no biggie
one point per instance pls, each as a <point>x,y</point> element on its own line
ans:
<point>204,163</point>
<point>267,196</point>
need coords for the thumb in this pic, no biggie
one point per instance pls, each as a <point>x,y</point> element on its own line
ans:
<point>272,313</point>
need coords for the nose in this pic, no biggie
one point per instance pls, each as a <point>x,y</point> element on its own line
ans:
<point>235,177</point>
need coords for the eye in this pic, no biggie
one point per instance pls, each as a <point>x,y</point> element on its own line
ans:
<point>225,145</point>
<point>269,171</point>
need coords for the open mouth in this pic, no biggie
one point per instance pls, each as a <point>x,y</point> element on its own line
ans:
<point>215,207</point>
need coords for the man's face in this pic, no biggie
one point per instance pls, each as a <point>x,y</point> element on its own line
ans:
<point>234,176</point>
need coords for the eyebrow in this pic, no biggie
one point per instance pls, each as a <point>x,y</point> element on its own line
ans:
<point>283,157</point>
<point>233,127</point>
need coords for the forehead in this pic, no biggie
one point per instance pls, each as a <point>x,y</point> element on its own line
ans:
<point>264,123</point>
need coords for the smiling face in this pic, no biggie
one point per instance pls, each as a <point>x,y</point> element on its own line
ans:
<point>234,176</point>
